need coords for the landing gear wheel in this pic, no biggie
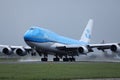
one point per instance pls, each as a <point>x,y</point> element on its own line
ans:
<point>70,59</point>
<point>73,59</point>
<point>56,59</point>
<point>44,59</point>
<point>33,54</point>
<point>65,59</point>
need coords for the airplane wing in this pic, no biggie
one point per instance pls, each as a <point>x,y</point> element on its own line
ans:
<point>20,50</point>
<point>14,47</point>
<point>114,47</point>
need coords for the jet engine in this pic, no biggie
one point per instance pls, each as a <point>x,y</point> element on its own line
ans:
<point>7,50</point>
<point>83,50</point>
<point>115,48</point>
<point>21,52</point>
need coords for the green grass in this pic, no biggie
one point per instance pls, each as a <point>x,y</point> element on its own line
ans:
<point>8,59</point>
<point>59,71</point>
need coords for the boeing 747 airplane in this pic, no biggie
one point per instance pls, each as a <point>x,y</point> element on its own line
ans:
<point>45,42</point>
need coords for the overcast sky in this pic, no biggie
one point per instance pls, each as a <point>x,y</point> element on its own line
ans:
<point>65,17</point>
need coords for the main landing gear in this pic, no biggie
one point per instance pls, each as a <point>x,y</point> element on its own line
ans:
<point>68,59</point>
<point>45,59</point>
<point>58,59</point>
<point>72,59</point>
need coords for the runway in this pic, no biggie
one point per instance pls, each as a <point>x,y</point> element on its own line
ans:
<point>37,59</point>
<point>51,62</point>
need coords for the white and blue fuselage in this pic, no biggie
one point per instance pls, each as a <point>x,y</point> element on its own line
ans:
<point>43,39</point>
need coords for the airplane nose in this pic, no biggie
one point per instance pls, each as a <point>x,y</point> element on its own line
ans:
<point>32,34</point>
<point>27,36</point>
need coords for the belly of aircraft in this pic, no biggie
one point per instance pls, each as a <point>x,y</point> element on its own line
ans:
<point>47,47</point>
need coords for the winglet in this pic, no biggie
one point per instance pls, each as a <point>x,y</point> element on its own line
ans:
<point>86,36</point>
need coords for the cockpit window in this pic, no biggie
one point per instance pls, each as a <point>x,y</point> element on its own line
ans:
<point>31,28</point>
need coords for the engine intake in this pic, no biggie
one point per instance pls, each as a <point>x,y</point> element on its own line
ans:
<point>115,48</point>
<point>21,52</point>
<point>7,51</point>
<point>83,49</point>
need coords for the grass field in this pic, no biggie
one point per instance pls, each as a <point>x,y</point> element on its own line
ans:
<point>58,71</point>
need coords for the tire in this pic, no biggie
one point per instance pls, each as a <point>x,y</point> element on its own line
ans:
<point>65,59</point>
<point>56,59</point>
<point>44,59</point>
<point>71,59</point>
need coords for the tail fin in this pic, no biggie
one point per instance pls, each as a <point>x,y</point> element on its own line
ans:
<point>86,36</point>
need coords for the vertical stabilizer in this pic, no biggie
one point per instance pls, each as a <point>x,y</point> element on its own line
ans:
<point>86,36</point>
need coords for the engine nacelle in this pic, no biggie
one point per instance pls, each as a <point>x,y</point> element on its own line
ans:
<point>21,52</point>
<point>115,48</point>
<point>7,51</point>
<point>83,50</point>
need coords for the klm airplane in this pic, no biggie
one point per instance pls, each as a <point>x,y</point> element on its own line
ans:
<point>45,42</point>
